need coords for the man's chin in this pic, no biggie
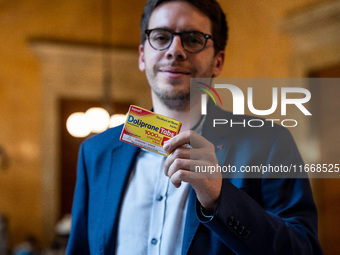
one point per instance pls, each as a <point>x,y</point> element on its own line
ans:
<point>174,80</point>
<point>179,102</point>
<point>176,104</point>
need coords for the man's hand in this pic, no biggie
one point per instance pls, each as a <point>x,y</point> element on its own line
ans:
<point>182,160</point>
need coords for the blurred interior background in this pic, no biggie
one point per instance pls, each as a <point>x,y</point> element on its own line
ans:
<point>61,57</point>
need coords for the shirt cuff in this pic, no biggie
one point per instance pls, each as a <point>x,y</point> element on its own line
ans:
<point>203,214</point>
<point>206,213</point>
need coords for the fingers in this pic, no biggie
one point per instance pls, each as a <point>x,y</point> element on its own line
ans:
<point>177,155</point>
<point>177,141</point>
<point>207,190</point>
<point>188,137</point>
<point>180,171</point>
<point>177,166</point>
<point>183,159</point>
<point>179,176</point>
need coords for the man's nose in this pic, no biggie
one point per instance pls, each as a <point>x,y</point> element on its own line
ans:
<point>176,49</point>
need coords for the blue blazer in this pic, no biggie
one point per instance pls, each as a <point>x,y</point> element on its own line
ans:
<point>254,215</point>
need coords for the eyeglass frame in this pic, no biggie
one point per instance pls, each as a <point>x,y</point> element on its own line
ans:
<point>173,34</point>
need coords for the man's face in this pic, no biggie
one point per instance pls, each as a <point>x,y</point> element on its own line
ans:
<point>169,71</point>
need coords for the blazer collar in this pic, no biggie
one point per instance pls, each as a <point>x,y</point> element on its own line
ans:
<point>218,135</point>
<point>221,148</point>
<point>123,158</point>
<point>191,222</point>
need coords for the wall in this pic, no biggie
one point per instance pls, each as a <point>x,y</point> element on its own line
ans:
<point>21,99</point>
<point>257,48</point>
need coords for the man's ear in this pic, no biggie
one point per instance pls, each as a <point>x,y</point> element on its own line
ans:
<point>218,63</point>
<point>141,62</point>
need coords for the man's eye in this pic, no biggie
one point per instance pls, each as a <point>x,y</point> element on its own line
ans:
<point>195,40</point>
<point>161,37</point>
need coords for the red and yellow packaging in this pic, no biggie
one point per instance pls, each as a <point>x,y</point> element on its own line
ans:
<point>148,130</point>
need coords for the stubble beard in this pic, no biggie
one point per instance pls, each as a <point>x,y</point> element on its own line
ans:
<point>174,100</point>
<point>179,101</point>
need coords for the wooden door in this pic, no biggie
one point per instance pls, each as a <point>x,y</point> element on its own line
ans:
<point>328,131</point>
<point>69,147</point>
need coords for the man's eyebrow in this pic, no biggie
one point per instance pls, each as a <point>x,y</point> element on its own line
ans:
<point>164,27</point>
<point>171,30</point>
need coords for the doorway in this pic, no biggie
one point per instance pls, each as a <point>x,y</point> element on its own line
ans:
<point>328,132</point>
<point>69,147</point>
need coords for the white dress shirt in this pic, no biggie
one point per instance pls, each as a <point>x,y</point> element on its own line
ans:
<point>153,212</point>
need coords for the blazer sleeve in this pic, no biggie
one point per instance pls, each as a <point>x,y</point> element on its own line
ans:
<point>78,241</point>
<point>270,216</point>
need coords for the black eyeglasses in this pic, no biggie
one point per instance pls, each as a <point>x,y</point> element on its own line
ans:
<point>192,41</point>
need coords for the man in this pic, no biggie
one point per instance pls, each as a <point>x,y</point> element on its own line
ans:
<point>131,201</point>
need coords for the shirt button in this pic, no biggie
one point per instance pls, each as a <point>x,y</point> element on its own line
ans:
<point>159,198</point>
<point>154,241</point>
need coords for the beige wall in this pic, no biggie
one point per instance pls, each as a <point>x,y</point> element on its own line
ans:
<point>257,48</point>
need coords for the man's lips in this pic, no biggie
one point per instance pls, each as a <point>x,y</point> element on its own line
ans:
<point>174,70</point>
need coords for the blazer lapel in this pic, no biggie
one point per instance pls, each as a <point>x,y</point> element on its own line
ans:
<point>123,159</point>
<point>218,138</point>
<point>191,222</point>
<point>221,148</point>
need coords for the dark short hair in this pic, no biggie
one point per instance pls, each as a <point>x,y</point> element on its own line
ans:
<point>210,8</point>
